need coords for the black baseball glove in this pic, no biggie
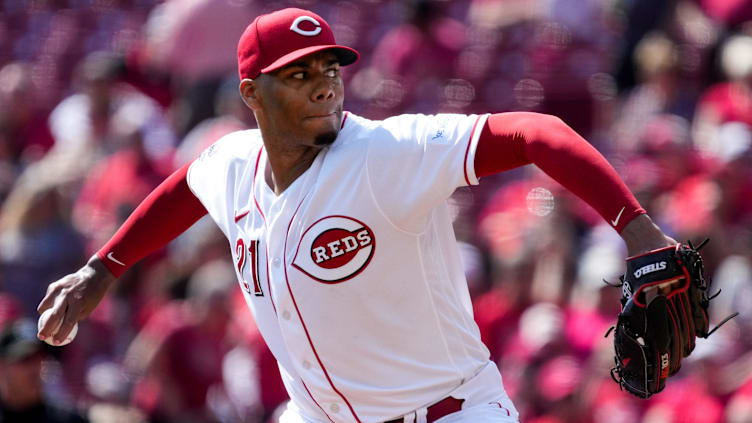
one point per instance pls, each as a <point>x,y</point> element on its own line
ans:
<point>664,307</point>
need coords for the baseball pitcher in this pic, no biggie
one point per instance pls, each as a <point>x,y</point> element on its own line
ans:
<point>343,244</point>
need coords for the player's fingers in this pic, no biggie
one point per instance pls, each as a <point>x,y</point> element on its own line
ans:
<point>51,324</point>
<point>49,299</point>
<point>70,318</point>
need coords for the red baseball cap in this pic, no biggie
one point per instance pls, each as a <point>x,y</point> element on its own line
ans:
<point>276,39</point>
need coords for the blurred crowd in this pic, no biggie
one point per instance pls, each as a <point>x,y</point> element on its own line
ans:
<point>102,99</point>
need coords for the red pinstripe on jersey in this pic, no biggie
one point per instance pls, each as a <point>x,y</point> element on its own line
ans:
<point>253,184</point>
<point>268,279</point>
<point>314,400</point>
<point>266,246</point>
<point>344,118</point>
<point>302,322</point>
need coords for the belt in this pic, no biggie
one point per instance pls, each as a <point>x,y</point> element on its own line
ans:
<point>446,406</point>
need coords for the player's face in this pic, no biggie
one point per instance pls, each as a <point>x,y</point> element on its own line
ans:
<point>303,100</point>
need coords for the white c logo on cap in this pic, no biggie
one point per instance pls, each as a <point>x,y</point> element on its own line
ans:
<point>294,27</point>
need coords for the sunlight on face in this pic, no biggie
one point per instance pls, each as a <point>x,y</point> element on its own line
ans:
<point>302,102</point>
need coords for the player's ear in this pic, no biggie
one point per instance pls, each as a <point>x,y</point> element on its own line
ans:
<point>249,93</point>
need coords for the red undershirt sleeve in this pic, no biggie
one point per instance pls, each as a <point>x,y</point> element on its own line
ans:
<point>164,214</point>
<point>510,140</point>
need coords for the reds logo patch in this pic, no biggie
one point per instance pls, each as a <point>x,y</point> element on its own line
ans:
<point>335,249</point>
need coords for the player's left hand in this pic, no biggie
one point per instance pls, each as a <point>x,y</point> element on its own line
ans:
<point>664,308</point>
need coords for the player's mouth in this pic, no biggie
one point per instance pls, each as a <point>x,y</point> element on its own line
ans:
<point>322,116</point>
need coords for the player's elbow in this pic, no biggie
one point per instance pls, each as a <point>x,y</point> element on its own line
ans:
<point>551,129</point>
<point>531,124</point>
<point>551,124</point>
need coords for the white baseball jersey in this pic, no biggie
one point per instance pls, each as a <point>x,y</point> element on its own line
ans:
<point>353,273</point>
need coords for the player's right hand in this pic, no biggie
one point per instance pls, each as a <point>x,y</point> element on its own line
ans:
<point>73,298</point>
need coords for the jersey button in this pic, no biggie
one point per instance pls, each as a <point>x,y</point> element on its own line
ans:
<point>334,408</point>
<point>286,315</point>
<point>276,261</point>
<point>306,365</point>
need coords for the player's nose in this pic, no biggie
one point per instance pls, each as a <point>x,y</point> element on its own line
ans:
<point>324,90</point>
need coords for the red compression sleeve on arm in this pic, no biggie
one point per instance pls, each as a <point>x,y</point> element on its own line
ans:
<point>515,139</point>
<point>163,215</point>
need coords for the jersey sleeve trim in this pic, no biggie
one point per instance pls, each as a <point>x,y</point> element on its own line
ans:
<point>188,180</point>
<point>190,188</point>
<point>472,146</point>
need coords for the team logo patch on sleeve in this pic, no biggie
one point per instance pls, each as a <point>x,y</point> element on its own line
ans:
<point>335,249</point>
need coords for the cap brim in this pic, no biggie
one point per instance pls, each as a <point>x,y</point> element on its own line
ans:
<point>345,55</point>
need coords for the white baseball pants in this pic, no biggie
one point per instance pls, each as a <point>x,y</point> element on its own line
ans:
<point>485,402</point>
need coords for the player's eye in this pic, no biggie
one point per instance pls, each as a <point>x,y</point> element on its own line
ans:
<point>331,72</point>
<point>299,75</point>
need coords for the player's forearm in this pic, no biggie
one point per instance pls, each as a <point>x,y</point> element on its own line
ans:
<point>163,215</point>
<point>642,235</point>
<point>513,139</point>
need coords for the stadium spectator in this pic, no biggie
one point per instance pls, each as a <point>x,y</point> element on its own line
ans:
<point>21,386</point>
<point>87,125</point>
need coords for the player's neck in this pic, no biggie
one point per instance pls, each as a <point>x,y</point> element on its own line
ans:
<point>286,165</point>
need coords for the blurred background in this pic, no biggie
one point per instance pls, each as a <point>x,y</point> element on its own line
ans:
<point>101,99</point>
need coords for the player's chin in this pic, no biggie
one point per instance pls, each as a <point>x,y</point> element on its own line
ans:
<point>325,138</point>
<point>325,130</point>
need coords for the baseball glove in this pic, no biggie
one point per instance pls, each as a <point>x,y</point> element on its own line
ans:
<point>664,306</point>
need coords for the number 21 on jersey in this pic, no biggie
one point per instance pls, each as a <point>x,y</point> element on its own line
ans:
<point>241,257</point>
